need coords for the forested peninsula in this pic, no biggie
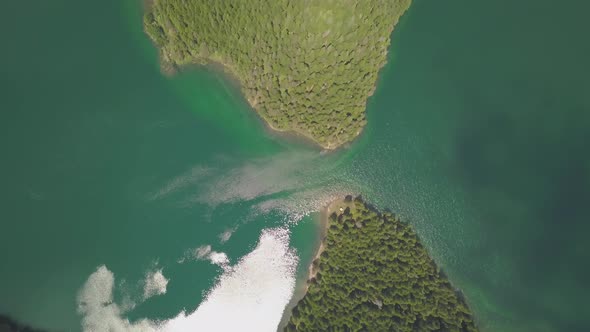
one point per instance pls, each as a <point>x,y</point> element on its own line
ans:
<point>305,66</point>
<point>373,274</point>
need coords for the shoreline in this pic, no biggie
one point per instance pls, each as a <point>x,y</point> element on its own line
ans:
<point>302,285</point>
<point>227,73</point>
<point>338,204</point>
<point>171,62</point>
<point>359,208</point>
<point>302,280</point>
<point>217,65</point>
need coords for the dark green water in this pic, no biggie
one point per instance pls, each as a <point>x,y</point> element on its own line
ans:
<point>477,135</point>
<point>486,117</point>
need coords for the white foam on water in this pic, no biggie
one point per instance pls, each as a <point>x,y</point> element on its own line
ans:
<point>182,181</point>
<point>202,252</point>
<point>224,237</point>
<point>286,171</point>
<point>249,296</point>
<point>205,252</point>
<point>228,180</point>
<point>154,284</point>
<point>295,183</point>
<point>219,258</point>
<point>99,311</point>
<point>301,204</point>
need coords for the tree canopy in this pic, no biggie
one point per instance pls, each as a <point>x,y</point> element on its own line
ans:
<point>375,275</point>
<point>306,66</point>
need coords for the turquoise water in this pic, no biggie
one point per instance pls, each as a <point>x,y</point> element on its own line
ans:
<point>485,121</point>
<point>477,135</point>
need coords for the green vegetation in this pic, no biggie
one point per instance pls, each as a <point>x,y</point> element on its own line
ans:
<point>306,66</point>
<point>374,275</point>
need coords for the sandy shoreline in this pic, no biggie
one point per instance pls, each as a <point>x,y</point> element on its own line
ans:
<point>337,206</point>
<point>303,284</point>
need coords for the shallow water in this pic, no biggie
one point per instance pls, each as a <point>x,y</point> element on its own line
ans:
<point>477,135</point>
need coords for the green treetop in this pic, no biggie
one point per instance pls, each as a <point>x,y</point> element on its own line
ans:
<point>375,275</point>
<point>305,65</point>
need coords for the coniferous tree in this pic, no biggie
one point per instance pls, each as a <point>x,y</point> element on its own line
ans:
<point>377,277</point>
<point>306,66</point>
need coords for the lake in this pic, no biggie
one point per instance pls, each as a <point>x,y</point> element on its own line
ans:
<point>168,199</point>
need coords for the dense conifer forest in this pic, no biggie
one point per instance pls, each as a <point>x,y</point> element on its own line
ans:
<point>306,66</point>
<point>374,275</point>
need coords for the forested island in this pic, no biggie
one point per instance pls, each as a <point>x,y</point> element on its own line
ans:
<point>309,66</point>
<point>305,66</point>
<point>373,274</point>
